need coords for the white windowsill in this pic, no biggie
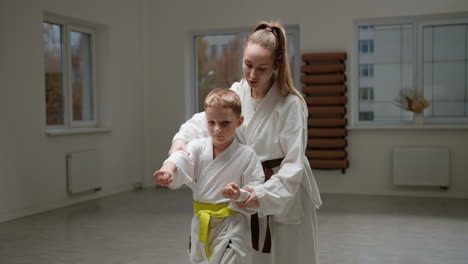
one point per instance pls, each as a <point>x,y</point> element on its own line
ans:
<point>76,131</point>
<point>408,127</point>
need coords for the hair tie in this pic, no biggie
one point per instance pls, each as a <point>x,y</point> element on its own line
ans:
<point>268,29</point>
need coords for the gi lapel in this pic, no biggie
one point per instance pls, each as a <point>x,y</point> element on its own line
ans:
<point>264,110</point>
<point>213,166</point>
<point>246,99</point>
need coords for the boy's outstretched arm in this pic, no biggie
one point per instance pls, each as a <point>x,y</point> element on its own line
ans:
<point>165,175</point>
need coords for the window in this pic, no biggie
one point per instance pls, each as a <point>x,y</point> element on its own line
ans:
<point>427,54</point>
<point>366,46</point>
<point>366,27</point>
<point>69,74</point>
<point>366,93</point>
<point>218,60</point>
<point>366,115</point>
<point>366,97</point>
<point>366,70</point>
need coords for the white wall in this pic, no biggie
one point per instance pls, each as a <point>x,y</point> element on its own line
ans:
<point>32,165</point>
<point>325,25</point>
<point>143,68</point>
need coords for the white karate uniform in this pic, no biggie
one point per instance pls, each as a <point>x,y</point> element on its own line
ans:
<point>277,129</point>
<point>229,237</point>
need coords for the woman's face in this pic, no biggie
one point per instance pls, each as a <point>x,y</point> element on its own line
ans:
<point>258,66</point>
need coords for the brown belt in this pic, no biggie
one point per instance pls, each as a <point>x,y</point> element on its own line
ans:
<point>268,166</point>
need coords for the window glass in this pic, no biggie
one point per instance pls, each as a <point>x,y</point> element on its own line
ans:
<point>386,65</point>
<point>217,63</point>
<point>81,76</point>
<point>445,70</point>
<point>53,65</point>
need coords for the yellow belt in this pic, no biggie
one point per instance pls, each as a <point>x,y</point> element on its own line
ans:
<point>204,212</point>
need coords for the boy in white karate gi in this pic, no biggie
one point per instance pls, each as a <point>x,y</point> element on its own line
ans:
<point>214,169</point>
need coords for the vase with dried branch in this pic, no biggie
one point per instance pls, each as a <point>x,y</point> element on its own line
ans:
<point>410,100</point>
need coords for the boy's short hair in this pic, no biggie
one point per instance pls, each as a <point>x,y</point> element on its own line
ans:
<point>223,97</point>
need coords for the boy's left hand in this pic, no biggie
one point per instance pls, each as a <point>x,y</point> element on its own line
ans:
<point>231,191</point>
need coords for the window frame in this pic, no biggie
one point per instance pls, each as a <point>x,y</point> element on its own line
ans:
<point>67,26</point>
<point>417,24</point>
<point>191,91</point>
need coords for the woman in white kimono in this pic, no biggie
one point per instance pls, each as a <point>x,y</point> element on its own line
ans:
<point>275,126</point>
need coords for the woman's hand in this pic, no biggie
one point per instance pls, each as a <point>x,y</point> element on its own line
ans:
<point>178,144</point>
<point>251,202</point>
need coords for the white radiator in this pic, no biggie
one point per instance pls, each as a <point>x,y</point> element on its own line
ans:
<point>422,166</point>
<point>83,171</point>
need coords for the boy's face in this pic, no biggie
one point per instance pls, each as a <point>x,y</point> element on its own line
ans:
<point>222,123</point>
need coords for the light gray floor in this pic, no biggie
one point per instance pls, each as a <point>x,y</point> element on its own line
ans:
<point>151,226</point>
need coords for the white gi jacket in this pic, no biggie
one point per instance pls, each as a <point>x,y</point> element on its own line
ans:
<point>206,177</point>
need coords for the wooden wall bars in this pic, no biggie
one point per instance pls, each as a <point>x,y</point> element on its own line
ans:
<point>323,76</point>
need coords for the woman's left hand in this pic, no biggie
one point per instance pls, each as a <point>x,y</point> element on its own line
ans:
<point>251,202</point>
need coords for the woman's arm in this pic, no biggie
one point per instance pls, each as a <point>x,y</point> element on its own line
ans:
<point>191,129</point>
<point>274,195</point>
<point>253,176</point>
